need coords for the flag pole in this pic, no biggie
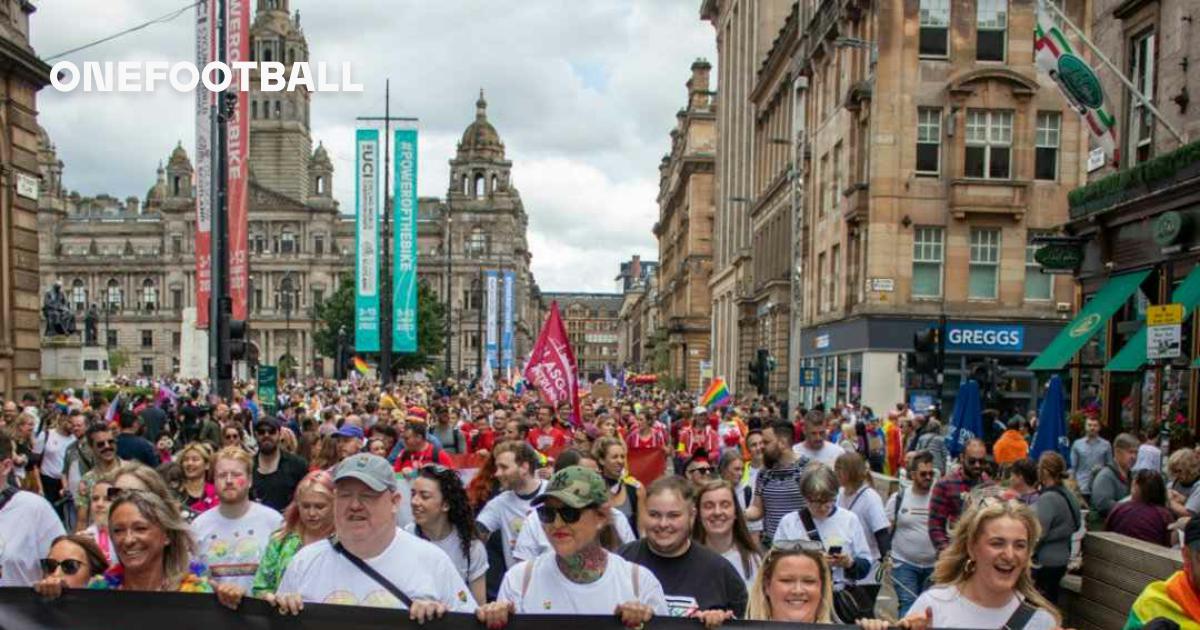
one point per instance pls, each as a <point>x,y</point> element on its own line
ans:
<point>1111,66</point>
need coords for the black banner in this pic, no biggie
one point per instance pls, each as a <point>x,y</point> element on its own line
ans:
<point>22,609</point>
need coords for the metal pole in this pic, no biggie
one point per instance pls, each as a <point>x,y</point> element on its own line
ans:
<point>449,286</point>
<point>385,322</point>
<point>479,324</point>
<point>219,302</point>
<point>1111,66</point>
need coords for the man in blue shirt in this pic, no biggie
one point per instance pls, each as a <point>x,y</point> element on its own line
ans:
<point>132,446</point>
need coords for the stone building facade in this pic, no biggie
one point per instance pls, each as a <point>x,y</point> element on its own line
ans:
<point>685,231</point>
<point>638,326</point>
<point>134,258</point>
<point>593,328</point>
<point>22,75</point>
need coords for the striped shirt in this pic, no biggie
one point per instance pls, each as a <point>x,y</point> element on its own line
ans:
<point>780,492</point>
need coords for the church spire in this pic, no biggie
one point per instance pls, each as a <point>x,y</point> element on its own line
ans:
<point>481,107</point>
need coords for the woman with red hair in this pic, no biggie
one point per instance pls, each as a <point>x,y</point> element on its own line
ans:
<point>308,519</point>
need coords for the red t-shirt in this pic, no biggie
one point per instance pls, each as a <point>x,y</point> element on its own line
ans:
<point>656,439</point>
<point>485,438</point>
<point>418,459</point>
<point>543,440</point>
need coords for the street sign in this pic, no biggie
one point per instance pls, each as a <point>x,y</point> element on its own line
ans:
<point>268,383</point>
<point>882,285</point>
<point>1164,334</point>
<point>1164,314</point>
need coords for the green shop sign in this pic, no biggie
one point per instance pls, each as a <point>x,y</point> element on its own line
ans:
<point>1080,81</point>
<point>1059,256</point>
<point>1168,227</point>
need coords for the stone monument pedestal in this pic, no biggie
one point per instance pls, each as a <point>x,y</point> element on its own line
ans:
<point>95,365</point>
<point>62,363</point>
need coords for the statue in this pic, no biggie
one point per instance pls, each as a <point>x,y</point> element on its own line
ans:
<point>90,320</point>
<point>60,321</point>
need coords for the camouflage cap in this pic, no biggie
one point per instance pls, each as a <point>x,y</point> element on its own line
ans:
<point>575,486</point>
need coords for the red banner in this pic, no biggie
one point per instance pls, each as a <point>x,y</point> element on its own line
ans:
<point>238,49</point>
<point>205,43</point>
<point>551,368</point>
<point>647,464</point>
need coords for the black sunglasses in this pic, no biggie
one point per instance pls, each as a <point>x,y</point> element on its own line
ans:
<point>69,567</point>
<point>703,470</point>
<point>568,514</point>
<point>264,429</point>
<point>103,443</point>
<point>976,461</point>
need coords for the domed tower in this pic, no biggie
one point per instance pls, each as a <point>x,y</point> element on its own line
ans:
<point>179,174</point>
<point>280,138</point>
<point>479,170</point>
<point>320,177</point>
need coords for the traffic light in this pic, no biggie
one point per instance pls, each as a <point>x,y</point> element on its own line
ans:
<point>925,351</point>
<point>755,379</point>
<point>760,367</point>
<point>238,345</point>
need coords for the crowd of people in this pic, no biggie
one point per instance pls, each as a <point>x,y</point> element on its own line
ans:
<point>646,505</point>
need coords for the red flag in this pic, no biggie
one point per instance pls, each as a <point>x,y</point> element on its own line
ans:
<point>551,367</point>
<point>647,464</point>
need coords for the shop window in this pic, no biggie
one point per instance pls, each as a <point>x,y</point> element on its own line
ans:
<point>1049,128</point>
<point>1141,122</point>
<point>988,144</point>
<point>928,254</point>
<point>1038,285</point>
<point>935,28</point>
<point>984,274</point>
<point>929,140</point>
<point>991,29</point>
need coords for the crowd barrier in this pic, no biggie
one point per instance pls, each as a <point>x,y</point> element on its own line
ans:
<point>1115,570</point>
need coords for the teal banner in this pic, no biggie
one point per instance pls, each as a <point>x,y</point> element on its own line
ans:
<point>366,270</point>
<point>404,278</point>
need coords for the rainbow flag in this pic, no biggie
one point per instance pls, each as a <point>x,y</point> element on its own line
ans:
<point>717,394</point>
<point>361,366</point>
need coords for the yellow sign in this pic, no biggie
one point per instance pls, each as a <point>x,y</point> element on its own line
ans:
<point>1164,315</point>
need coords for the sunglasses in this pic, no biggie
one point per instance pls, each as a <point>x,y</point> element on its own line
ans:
<point>265,430</point>
<point>800,544</point>
<point>700,470</point>
<point>568,514</point>
<point>69,567</point>
<point>975,461</point>
<point>103,443</point>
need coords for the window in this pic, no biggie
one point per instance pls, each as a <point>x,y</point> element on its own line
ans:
<point>1049,127</point>
<point>935,28</point>
<point>110,338</point>
<point>1141,121</point>
<point>114,295</point>
<point>147,338</point>
<point>253,110</point>
<point>838,186</point>
<point>258,299</point>
<point>477,242</point>
<point>929,139</point>
<point>287,243</point>
<point>177,299</point>
<point>835,270</point>
<point>985,264</point>
<point>148,366</point>
<point>1038,285</point>
<point>927,262</point>
<point>989,144</point>
<point>826,192</point>
<point>78,295</point>
<point>318,297</point>
<point>176,340</point>
<point>149,295</point>
<point>177,244</point>
<point>319,245</point>
<point>822,284</point>
<point>260,243</point>
<point>991,26</point>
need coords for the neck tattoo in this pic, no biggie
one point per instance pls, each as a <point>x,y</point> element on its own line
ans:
<point>586,566</point>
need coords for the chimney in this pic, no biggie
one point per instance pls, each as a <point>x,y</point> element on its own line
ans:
<point>697,85</point>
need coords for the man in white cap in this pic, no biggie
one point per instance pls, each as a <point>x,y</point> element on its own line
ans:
<point>370,561</point>
<point>699,434</point>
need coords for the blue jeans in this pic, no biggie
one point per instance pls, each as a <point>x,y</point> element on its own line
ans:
<point>909,582</point>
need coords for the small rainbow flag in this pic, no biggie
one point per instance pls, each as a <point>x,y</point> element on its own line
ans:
<point>717,395</point>
<point>361,366</point>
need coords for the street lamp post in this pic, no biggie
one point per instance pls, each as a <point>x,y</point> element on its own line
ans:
<point>449,287</point>
<point>339,368</point>
<point>286,297</point>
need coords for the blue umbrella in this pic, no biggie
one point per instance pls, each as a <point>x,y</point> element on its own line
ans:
<point>1052,423</point>
<point>966,423</point>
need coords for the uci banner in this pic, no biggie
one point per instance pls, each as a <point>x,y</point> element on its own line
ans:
<point>490,282</point>
<point>404,278</point>
<point>506,335</point>
<point>366,209</point>
<point>22,609</point>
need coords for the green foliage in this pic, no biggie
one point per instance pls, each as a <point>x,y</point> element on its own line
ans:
<point>1104,192</point>
<point>338,311</point>
<point>108,392</point>
<point>118,358</point>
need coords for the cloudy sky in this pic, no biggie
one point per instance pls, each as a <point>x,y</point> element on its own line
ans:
<point>583,93</point>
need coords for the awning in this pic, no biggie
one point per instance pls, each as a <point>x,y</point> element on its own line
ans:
<point>1090,319</point>
<point>1133,356</point>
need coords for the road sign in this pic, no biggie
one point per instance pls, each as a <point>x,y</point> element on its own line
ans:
<point>1164,336</point>
<point>268,383</point>
<point>1164,314</point>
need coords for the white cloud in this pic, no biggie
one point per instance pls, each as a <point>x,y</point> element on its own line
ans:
<point>583,94</point>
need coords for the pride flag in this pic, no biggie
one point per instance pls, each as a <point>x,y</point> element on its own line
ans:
<point>361,366</point>
<point>717,394</point>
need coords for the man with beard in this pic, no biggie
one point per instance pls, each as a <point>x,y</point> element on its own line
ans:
<point>949,494</point>
<point>103,446</point>
<point>913,554</point>
<point>233,537</point>
<point>698,582</point>
<point>777,489</point>
<point>516,466</point>
<point>276,472</point>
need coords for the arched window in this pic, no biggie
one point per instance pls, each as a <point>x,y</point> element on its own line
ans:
<point>114,294</point>
<point>480,185</point>
<point>477,242</point>
<point>320,184</point>
<point>175,185</point>
<point>494,181</point>
<point>78,294</point>
<point>149,295</point>
<point>466,185</point>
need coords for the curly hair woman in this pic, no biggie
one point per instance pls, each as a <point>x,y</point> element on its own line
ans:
<point>443,516</point>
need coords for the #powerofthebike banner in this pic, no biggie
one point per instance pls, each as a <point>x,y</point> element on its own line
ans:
<point>204,53</point>
<point>506,336</point>
<point>404,274</point>
<point>366,208</point>
<point>490,277</point>
<point>237,47</point>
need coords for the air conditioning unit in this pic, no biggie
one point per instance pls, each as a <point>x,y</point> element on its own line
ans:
<point>1063,307</point>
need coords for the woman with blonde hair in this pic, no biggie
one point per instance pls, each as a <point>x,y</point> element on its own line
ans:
<point>196,491</point>
<point>983,579</point>
<point>154,545</point>
<point>793,585</point>
<point>308,519</point>
<point>628,494</point>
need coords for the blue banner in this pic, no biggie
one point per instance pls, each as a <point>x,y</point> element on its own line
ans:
<point>404,275</point>
<point>366,241</point>
<point>984,337</point>
<point>491,278</point>
<point>506,336</point>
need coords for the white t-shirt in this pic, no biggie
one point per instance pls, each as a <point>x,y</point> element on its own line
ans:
<point>232,548</point>
<point>532,541</point>
<point>321,575</point>
<point>53,447</point>
<point>910,542</point>
<point>953,610</point>
<point>549,592</point>
<point>734,556</point>
<point>506,514</point>
<point>469,568</point>
<point>866,504</point>
<point>1149,457</point>
<point>841,529</point>
<point>27,526</point>
<point>827,455</point>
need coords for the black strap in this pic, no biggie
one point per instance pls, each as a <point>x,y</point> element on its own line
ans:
<point>810,526</point>
<point>7,495</point>
<point>1020,617</point>
<point>899,503</point>
<point>372,573</point>
<point>1062,492</point>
